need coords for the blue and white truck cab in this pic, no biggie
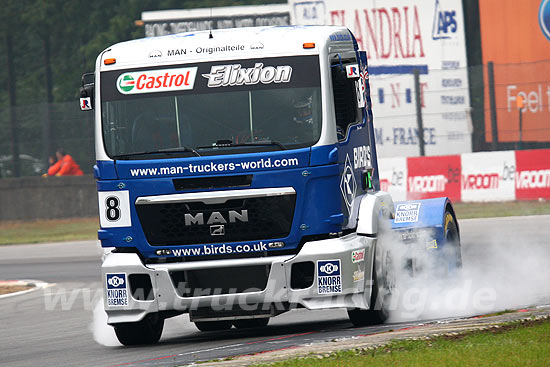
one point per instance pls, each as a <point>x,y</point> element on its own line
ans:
<point>237,179</point>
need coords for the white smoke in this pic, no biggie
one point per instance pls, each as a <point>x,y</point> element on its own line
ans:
<point>103,334</point>
<point>502,270</point>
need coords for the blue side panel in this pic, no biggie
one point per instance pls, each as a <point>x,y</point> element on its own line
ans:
<point>105,170</point>
<point>420,213</point>
<point>326,154</point>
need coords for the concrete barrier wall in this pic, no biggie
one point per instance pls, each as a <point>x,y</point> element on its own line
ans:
<point>31,198</point>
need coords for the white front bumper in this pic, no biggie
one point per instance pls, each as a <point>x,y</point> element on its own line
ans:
<point>355,291</point>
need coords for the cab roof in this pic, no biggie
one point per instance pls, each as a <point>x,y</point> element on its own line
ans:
<point>224,44</point>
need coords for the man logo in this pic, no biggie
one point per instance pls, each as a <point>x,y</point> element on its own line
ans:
<point>232,216</point>
<point>544,18</point>
<point>217,230</point>
<point>155,54</point>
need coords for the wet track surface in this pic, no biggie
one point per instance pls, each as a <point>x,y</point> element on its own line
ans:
<point>53,326</point>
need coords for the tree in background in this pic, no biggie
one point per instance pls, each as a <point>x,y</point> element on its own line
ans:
<point>9,21</point>
<point>51,43</point>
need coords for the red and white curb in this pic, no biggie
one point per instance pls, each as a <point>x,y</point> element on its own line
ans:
<point>35,284</point>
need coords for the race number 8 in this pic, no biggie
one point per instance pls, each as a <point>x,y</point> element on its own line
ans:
<point>114,209</point>
<point>112,212</point>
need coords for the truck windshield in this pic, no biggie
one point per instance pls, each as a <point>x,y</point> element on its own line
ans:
<point>224,109</point>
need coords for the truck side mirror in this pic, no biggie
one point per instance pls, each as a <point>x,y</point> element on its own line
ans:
<point>87,92</point>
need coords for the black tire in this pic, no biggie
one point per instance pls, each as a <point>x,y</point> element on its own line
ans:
<point>452,238</point>
<point>213,325</point>
<point>382,287</point>
<point>146,331</point>
<point>449,261</point>
<point>251,323</point>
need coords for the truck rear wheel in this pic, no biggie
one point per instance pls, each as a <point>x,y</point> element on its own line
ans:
<point>382,288</point>
<point>452,238</point>
<point>146,331</point>
<point>251,323</point>
<point>449,258</point>
<point>213,325</point>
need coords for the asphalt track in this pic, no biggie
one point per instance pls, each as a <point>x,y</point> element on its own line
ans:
<point>52,327</point>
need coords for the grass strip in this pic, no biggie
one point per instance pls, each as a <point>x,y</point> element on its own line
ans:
<point>504,209</point>
<point>525,343</point>
<point>50,230</point>
<point>6,289</point>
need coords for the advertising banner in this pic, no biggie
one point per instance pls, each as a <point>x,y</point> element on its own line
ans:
<point>400,36</point>
<point>163,22</point>
<point>488,176</point>
<point>470,177</point>
<point>432,177</point>
<point>515,36</point>
<point>532,174</point>
<point>393,177</point>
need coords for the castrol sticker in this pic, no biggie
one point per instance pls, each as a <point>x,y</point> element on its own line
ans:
<point>151,81</point>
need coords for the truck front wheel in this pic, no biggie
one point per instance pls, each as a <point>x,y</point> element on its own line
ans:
<point>383,283</point>
<point>146,331</point>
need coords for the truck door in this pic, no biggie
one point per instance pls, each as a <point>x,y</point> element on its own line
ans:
<point>354,148</point>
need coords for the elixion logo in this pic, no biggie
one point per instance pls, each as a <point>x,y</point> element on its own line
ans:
<point>150,81</point>
<point>232,75</point>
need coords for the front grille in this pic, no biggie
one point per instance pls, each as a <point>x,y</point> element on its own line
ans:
<point>229,312</point>
<point>243,219</point>
<point>227,280</point>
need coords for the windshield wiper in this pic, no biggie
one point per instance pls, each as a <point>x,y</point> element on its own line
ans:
<point>229,143</point>
<point>160,151</point>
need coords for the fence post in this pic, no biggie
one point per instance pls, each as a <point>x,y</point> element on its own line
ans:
<point>493,105</point>
<point>13,104</point>
<point>47,145</point>
<point>419,121</point>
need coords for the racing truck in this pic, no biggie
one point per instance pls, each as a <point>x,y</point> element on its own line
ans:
<point>237,179</point>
